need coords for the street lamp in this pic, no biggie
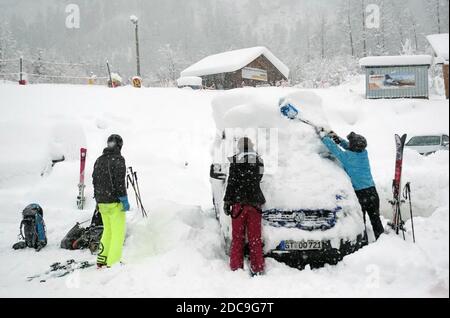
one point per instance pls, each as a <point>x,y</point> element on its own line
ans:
<point>134,19</point>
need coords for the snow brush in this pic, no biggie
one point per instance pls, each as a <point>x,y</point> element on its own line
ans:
<point>291,112</point>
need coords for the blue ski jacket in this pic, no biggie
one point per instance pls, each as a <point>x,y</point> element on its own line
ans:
<point>356,164</point>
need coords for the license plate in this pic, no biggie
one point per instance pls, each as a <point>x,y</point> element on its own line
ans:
<point>302,245</point>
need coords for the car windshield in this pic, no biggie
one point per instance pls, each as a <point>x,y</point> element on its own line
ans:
<point>425,141</point>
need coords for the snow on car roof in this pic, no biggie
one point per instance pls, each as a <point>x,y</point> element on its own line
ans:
<point>439,43</point>
<point>398,60</point>
<point>297,175</point>
<point>232,61</point>
<point>190,80</point>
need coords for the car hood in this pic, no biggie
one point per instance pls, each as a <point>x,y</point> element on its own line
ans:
<point>425,149</point>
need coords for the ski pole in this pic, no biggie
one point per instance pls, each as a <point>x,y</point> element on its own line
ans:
<point>407,196</point>
<point>84,222</point>
<point>401,223</point>
<point>137,184</point>
<point>139,192</point>
<point>130,177</point>
<point>138,200</point>
<point>132,185</point>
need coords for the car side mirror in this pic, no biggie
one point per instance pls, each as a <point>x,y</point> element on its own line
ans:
<point>445,143</point>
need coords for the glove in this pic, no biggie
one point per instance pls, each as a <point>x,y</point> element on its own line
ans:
<point>125,203</point>
<point>335,137</point>
<point>321,132</point>
<point>227,208</point>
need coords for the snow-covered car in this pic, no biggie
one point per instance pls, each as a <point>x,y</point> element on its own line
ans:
<point>312,216</point>
<point>426,145</point>
<point>193,82</point>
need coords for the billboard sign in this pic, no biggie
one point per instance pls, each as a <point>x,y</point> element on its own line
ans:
<point>392,80</point>
<point>255,74</point>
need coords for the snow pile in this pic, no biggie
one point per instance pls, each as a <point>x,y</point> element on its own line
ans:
<point>439,43</point>
<point>232,61</point>
<point>400,60</point>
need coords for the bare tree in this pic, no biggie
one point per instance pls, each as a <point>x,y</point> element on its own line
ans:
<point>434,9</point>
<point>364,31</point>
<point>323,32</point>
<point>349,27</point>
<point>414,30</point>
<point>438,15</point>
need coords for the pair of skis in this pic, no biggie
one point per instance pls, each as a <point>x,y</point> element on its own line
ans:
<point>81,199</point>
<point>132,180</point>
<point>398,224</point>
<point>58,270</point>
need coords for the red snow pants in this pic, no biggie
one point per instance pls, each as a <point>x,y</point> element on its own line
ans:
<point>246,218</point>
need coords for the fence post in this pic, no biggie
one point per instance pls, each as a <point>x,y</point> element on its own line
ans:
<point>21,80</point>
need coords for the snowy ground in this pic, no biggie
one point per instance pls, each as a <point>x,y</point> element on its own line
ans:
<point>178,250</point>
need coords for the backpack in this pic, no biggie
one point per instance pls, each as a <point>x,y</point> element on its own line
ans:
<point>80,238</point>
<point>32,229</point>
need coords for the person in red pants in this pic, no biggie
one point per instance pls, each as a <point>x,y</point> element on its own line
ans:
<point>243,200</point>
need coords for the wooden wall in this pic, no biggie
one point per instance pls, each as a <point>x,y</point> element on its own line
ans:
<point>234,79</point>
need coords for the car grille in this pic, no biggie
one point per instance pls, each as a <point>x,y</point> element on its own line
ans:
<point>309,220</point>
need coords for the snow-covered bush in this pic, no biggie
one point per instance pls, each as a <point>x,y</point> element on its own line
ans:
<point>322,73</point>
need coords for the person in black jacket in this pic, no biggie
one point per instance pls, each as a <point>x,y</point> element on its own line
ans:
<point>110,192</point>
<point>243,200</point>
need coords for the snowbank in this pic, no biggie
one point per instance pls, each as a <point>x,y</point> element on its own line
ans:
<point>232,61</point>
<point>399,60</point>
<point>178,251</point>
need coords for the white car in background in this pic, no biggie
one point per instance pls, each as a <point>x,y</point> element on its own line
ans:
<point>428,144</point>
<point>312,216</point>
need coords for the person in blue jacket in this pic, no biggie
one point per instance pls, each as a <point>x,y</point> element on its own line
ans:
<point>354,157</point>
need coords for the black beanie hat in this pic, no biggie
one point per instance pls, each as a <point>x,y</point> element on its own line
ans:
<point>115,141</point>
<point>357,142</point>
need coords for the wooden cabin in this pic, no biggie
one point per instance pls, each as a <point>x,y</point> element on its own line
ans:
<point>255,67</point>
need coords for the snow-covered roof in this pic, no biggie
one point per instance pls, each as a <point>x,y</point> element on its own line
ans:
<point>116,77</point>
<point>439,43</point>
<point>232,61</point>
<point>398,60</point>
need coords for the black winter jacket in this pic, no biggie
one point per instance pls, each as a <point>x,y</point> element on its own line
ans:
<point>109,177</point>
<point>246,172</point>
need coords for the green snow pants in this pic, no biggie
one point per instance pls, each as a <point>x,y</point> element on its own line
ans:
<point>111,244</point>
